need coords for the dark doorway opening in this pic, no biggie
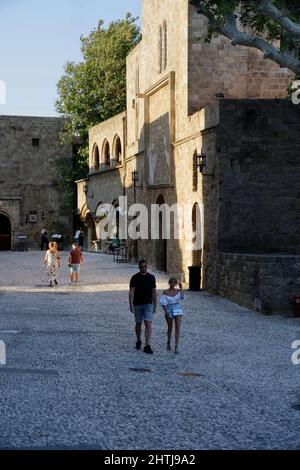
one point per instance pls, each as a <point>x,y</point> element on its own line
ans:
<point>161,244</point>
<point>5,233</point>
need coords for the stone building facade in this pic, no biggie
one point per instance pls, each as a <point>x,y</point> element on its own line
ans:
<point>30,152</point>
<point>179,91</point>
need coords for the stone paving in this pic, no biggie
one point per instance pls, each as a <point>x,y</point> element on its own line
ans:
<point>69,380</point>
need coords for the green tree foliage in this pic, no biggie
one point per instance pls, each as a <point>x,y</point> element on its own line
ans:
<point>95,88</point>
<point>270,26</point>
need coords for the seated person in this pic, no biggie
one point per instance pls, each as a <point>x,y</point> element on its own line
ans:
<point>115,243</point>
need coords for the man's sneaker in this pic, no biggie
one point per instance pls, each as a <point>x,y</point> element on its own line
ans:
<point>138,344</point>
<point>147,349</point>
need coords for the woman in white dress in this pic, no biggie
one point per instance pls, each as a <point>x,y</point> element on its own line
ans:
<point>170,301</point>
<point>52,262</point>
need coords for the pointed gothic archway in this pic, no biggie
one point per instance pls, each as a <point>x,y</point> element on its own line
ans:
<point>5,232</point>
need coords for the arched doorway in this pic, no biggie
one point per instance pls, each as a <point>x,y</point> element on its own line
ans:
<point>5,232</point>
<point>161,243</point>
<point>196,229</point>
<point>105,155</point>
<point>117,150</point>
<point>96,158</point>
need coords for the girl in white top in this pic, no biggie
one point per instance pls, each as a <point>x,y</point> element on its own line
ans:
<point>173,311</point>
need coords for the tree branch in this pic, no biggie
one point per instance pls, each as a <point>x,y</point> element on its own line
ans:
<point>202,10</point>
<point>268,8</point>
<point>237,37</point>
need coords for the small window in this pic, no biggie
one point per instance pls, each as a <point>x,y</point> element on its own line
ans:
<point>35,142</point>
<point>160,49</point>
<point>165,48</point>
<point>32,219</point>
<point>195,172</point>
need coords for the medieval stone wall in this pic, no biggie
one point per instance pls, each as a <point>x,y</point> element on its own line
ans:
<point>30,157</point>
<point>266,283</point>
<point>235,71</point>
<point>259,164</point>
<point>172,115</point>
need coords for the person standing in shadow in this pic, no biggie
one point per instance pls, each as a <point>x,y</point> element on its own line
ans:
<point>80,240</point>
<point>44,239</point>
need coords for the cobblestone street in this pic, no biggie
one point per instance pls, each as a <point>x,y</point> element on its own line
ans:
<point>73,378</point>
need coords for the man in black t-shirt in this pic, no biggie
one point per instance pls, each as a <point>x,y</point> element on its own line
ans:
<point>142,301</point>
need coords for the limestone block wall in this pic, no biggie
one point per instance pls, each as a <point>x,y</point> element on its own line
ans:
<point>135,100</point>
<point>104,188</point>
<point>259,164</point>
<point>260,282</point>
<point>176,55</point>
<point>235,71</point>
<point>30,156</point>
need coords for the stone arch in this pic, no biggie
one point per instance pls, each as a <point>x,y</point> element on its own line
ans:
<point>102,211</point>
<point>117,150</point>
<point>161,244</point>
<point>83,211</point>
<point>5,231</point>
<point>88,225</point>
<point>98,207</point>
<point>105,157</point>
<point>96,158</point>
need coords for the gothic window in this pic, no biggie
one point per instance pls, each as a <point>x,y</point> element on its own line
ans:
<point>117,150</point>
<point>106,154</point>
<point>96,159</point>
<point>136,104</point>
<point>195,172</point>
<point>165,48</point>
<point>160,49</point>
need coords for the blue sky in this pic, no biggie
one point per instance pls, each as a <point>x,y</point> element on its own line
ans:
<point>37,37</point>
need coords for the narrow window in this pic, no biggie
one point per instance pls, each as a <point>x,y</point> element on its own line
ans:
<point>96,159</point>
<point>117,150</point>
<point>105,155</point>
<point>160,49</point>
<point>195,172</point>
<point>165,49</point>
<point>35,142</point>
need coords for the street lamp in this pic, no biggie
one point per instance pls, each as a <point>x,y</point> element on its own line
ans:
<point>134,179</point>
<point>201,165</point>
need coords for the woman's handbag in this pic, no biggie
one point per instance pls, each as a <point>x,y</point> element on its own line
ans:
<point>177,311</point>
